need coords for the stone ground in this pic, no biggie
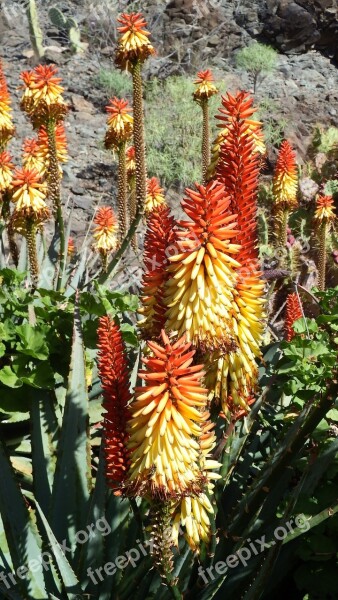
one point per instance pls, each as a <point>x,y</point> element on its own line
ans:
<point>303,90</point>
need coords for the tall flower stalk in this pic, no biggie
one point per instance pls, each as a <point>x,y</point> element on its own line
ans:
<point>324,218</point>
<point>113,371</point>
<point>131,181</point>
<point>285,186</point>
<point>159,243</point>
<point>133,49</point>
<point>235,379</point>
<point>29,196</point>
<point>120,129</point>
<point>204,91</point>
<point>43,102</point>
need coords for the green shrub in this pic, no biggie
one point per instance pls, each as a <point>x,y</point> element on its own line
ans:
<point>258,60</point>
<point>114,83</point>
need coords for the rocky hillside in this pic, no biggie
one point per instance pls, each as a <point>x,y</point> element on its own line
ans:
<point>189,35</point>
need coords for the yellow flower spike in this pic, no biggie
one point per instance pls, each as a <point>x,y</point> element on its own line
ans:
<point>133,44</point>
<point>105,232</point>
<point>42,98</point>
<point>29,195</point>
<point>168,418</point>
<point>199,293</point>
<point>119,123</point>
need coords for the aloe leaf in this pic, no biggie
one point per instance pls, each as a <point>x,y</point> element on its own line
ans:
<point>72,483</point>
<point>44,434</point>
<point>92,553</point>
<point>22,536</point>
<point>69,579</point>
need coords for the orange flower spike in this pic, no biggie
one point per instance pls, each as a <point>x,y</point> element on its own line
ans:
<point>113,372</point>
<point>105,230</point>
<point>285,180</point>
<point>42,98</point>
<point>29,195</point>
<point>158,245</point>
<point>325,209</point>
<point>155,195</point>
<point>6,171</point>
<point>42,84</point>
<point>235,378</point>
<point>119,122</point>
<point>133,44</point>
<point>294,312</point>
<point>167,418</point>
<point>205,87</point>
<point>6,124</point>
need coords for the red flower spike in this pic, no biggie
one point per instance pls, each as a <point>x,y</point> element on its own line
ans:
<point>160,237</point>
<point>293,313</point>
<point>238,169</point>
<point>113,371</point>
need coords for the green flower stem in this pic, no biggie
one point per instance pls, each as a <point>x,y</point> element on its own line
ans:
<point>206,155</point>
<point>32,252</point>
<point>322,255</point>
<point>139,135</point>
<point>54,193</point>
<point>122,192</point>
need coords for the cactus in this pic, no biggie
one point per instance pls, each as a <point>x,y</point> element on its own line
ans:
<point>35,32</point>
<point>67,26</point>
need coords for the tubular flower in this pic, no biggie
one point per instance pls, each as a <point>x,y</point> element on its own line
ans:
<point>29,194</point>
<point>294,312</point>
<point>160,238</point>
<point>325,209</point>
<point>105,231</point>
<point>130,161</point>
<point>167,424</point>
<point>233,376</point>
<point>285,181</point>
<point>254,131</point>
<point>119,122</point>
<point>113,371</point>
<point>42,98</point>
<point>6,124</point>
<point>33,156</point>
<point>133,44</point>
<point>6,171</point>
<point>155,197</point>
<point>205,87</point>
<point>60,141</point>
<point>199,292</point>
